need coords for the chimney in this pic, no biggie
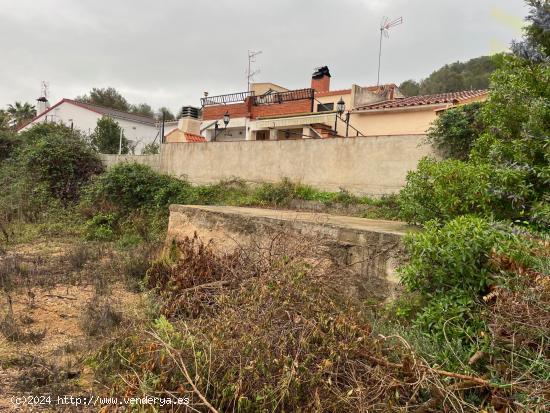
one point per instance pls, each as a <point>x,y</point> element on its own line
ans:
<point>320,80</point>
<point>189,120</point>
<point>42,106</point>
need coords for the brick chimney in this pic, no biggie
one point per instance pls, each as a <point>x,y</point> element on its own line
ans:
<point>320,80</point>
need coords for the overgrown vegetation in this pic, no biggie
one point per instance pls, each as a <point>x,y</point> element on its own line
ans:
<point>265,326</point>
<point>478,276</point>
<point>454,131</point>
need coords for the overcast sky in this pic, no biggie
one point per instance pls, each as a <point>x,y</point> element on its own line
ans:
<point>168,52</point>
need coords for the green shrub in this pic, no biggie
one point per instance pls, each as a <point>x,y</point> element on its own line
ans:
<point>9,141</point>
<point>443,190</point>
<point>447,189</point>
<point>130,186</point>
<point>64,162</point>
<point>455,256</point>
<point>43,171</point>
<point>101,227</point>
<point>456,129</point>
<point>279,193</point>
<point>451,267</point>
<point>151,149</point>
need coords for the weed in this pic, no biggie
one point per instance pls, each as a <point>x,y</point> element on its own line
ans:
<point>99,317</point>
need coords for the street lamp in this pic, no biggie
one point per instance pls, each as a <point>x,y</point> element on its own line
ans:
<point>226,118</point>
<point>340,108</point>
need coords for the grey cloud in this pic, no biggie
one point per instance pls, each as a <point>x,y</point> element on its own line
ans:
<point>166,53</point>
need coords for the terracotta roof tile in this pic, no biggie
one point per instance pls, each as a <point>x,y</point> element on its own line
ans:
<point>191,137</point>
<point>440,98</point>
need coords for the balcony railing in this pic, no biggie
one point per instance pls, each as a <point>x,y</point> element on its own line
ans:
<point>282,97</point>
<point>266,99</point>
<point>226,99</point>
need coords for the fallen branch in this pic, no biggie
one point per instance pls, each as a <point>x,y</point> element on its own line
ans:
<point>185,372</point>
<point>214,284</point>
<point>471,379</point>
<point>63,297</point>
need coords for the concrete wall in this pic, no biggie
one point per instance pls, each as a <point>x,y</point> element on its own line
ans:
<point>391,123</point>
<point>152,160</point>
<point>372,166</point>
<point>365,253</point>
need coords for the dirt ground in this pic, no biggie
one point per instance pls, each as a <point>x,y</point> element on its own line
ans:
<point>51,299</point>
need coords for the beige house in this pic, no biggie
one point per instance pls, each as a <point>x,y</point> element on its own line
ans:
<point>408,116</point>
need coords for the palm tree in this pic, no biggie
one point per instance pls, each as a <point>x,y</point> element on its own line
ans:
<point>21,112</point>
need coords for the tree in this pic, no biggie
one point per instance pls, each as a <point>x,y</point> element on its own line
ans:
<point>142,109</point>
<point>21,112</point>
<point>107,97</point>
<point>410,88</point>
<point>151,149</point>
<point>4,120</point>
<point>108,137</point>
<point>456,129</point>
<point>473,74</point>
<point>168,115</point>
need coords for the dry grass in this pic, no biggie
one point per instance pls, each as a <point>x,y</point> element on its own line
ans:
<point>264,329</point>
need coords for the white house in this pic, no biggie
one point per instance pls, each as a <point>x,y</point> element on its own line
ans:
<point>139,130</point>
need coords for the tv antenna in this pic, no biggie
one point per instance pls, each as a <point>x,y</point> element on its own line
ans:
<point>385,27</point>
<point>249,73</point>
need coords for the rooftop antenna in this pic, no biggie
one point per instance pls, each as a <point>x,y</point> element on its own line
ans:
<point>385,27</point>
<point>249,73</point>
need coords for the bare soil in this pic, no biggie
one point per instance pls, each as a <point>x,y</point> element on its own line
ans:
<point>49,305</point>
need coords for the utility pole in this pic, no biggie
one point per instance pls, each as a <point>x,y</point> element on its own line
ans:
<point>120,142</point>
<point>249,73</point>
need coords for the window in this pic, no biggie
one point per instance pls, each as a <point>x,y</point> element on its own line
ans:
<point>325,107</point>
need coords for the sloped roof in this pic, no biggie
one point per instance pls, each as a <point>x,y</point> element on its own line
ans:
<point>440,98</point>
<point>113,112</point>
<point>97,109</point>
<point>191,137</point>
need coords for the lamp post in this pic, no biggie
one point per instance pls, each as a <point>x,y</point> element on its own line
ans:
<point>226,119</point>
<point>340,108</point>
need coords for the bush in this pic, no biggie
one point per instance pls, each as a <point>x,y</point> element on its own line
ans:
<point>130,186</point>
<point>456,129</point>
<point>443,190</point>
<point>452,267</point>
<point>101,227</point>
<point>151,149</point>
<point>455,256</point>
<point>447,189</point>
<point>64,163</point>
<point>9,141</point>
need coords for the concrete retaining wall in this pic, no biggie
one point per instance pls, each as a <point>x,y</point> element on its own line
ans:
<point>366,252</point>
<point>364,166</point>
